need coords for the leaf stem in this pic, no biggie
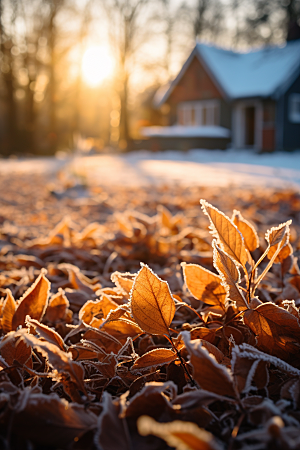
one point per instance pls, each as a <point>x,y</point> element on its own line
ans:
<point>182,362</point>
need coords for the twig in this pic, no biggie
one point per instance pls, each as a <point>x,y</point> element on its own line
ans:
<point>182,362</point>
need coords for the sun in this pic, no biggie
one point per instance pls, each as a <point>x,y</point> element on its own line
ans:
<point>97,64</point>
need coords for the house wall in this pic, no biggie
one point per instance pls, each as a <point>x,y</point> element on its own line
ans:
<point>196,84</point>
<point>291,131</point>
<point>268,126</point>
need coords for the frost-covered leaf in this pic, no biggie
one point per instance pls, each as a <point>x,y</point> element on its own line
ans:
<point>8,311</point>
<point>33,303</point>
<point>152,304</point>
<point>155,357</point>
<point>178,434</point>
<point>227,234</point>
<point>230,275</point>
<point>204,285</point>
<point>210,375</point>
<point>247,229</point>
<point>276,234</point>
<point>46,333</point>
<point>277,331</point>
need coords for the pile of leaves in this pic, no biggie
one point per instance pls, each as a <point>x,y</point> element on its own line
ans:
<point>137,324</point>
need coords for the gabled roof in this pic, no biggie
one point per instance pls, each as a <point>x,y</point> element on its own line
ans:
<point>267,72</point>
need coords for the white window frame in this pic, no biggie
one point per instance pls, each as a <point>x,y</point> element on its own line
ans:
<point>294,108</point>
<point>184,110</point>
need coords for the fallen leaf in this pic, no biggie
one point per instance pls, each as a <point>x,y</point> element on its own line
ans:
<point>47,333</point>
<point>8,310</point>
<point>33,303</point>
<point>155,357</point>
<point>277,331</point>
<point>152,304</point>
<point>178,434</point>
<point>210,375</point>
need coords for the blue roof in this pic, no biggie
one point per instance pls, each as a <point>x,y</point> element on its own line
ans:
<point>261,73</point>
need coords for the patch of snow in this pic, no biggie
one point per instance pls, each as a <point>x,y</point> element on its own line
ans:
<point>243,168</point>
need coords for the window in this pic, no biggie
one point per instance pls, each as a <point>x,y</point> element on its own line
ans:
<point>294,108</point>
<point>200,113</point>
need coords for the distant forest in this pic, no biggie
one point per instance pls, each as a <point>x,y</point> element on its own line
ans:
<point>45,105</point>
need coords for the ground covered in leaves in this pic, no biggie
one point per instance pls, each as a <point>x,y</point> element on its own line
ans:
<point>195,348</point>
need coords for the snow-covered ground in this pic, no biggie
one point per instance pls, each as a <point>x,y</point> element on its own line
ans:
<point>195,167</point>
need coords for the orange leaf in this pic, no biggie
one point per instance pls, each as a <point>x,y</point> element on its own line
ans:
<point>47,333</point>
<point>178,434</point>
<point>228,235</point>
<point>204,285</point>
<point>100,308</point>
<point>152,304</point>
<point>14,349</point>
<point>248,231</point>
<point>155,357</point>
<point>57,307</point>
<point>33,302</point>
<point>276,234</point>
<point>230,275</point>
<point>277,331</point>
<point>8,310</point>
<point>286,251</point>
<point>124,281</point>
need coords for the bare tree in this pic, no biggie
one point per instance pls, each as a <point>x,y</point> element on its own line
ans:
<point>127,31</point>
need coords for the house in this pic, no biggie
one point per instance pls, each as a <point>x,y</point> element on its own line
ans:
<point>222,98</point>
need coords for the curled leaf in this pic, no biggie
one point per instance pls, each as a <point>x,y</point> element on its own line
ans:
<point>247,229</point>
<point>8,310</point>
<point>33,303</point>
<point>152,304</point>
<point>230,275</point>
<point>178,434</point>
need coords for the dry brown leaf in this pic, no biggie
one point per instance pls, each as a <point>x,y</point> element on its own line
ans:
<point>49,421</point>
<point>13,349</point>
<point>277,331</point>
<point>204,285</point>
<point>276,234</point>
<point>123,281</point>
<point>286,251</point>
<point>33,303</point>
<point>152,304</point>
<point>121,329</point>
<point>230,275</point>
<point>247,229</point>
<point>58,359</point>
<point>155,357</point>
<point>178,434</point>
<point>227,234</point>
<point>100,308</point>
<point>46,333</point>
<point>57,307</point>
<point>210,375</point>
<point>8,310</point>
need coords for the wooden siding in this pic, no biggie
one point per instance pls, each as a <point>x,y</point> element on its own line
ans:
<point>194,85</point>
